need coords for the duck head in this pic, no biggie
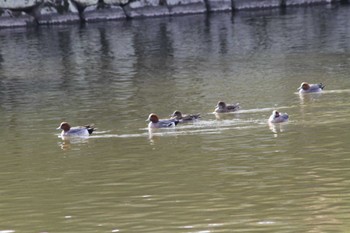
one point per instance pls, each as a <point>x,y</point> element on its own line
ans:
<point>176,114</point>
<point>64,126</point>
<point>305,86</point>
<point>275,113</point>
<point>153,118</point>
<point>221,105</point>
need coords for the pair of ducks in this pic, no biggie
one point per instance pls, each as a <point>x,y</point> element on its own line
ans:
<point>177,116</point>
<point>277,117</point>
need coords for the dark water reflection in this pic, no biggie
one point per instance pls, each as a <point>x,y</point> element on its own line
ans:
<point>230,173</point>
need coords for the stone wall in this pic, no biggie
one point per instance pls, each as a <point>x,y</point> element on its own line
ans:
<point>14,13</point>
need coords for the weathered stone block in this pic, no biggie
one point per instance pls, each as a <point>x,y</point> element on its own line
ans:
<point>115,2</point>
<point>19,4</point>
<point>219,5</point>
<point>251,4</point>
<point>85,3</point>
<point>49,14</point>
<point>304,2</point>
<point>146,8</point>
<point>9,18</point>
<point>186,6</point>
<point>93,13</point>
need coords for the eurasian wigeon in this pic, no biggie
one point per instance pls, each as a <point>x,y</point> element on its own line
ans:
<point>155,122</point>
<point>277,117</point>
<point>222,107</point>
<point>184,117</point>
<point>77,131</point>
<point>308,88</point>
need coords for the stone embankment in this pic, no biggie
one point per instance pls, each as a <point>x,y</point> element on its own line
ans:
<point>15,13</point>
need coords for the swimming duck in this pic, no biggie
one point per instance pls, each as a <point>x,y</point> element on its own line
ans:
<point>221,107</point>
<point>277,117</point>
<point>78,131</point>
<point>184,117</point>
<point>308,88</point>
<point>155,122</point>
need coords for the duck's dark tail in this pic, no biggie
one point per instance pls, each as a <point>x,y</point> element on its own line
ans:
<point>90,128</point>
<point>321,85</point>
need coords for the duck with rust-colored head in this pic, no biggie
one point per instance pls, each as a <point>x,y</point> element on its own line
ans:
<point>277,117</point>
<point>77,131</point>
<point>309,88</point>
<point>222,107</point>
<point>155,122</point>
<point>177,115</point>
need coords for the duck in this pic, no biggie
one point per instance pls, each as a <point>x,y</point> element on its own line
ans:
<point>277,117</point>
<point>155,122</point>
<point>309,88</point>
<point>184,117</point>
<point>79,131</point>
<point>221,107</point>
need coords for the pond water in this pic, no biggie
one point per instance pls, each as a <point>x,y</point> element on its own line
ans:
<point>227,173</point>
